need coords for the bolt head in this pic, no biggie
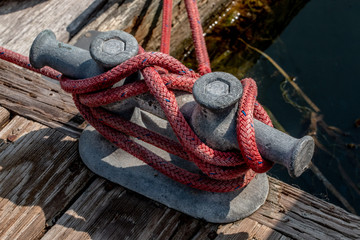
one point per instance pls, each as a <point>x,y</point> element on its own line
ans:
<point>217,88</point>
<point>217,91</point>
<point>112,48</point>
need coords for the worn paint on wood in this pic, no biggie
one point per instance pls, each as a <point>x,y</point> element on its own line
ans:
<point>40,173</point>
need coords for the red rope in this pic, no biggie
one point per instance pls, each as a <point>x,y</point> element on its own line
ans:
<point>222,171</point>
<point>166,27</point>
<point>198,38</point>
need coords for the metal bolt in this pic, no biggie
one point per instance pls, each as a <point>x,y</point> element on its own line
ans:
<point>111,48</point>
<point>213,120</point>
<point>71,61</point>
<point>217,88</point>
<point>217,91</point>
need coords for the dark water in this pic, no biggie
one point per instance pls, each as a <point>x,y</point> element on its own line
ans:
<point>320,48</point>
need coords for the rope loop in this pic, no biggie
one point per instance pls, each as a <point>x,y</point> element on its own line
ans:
<point>217,167</point>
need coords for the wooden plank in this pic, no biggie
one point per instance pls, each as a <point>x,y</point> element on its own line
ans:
<point>28,94</point>
<point>4,117</point>
<point>300,215</point>
<point>21,21</point>
<point>105,212</point>
<point>142,18</point>
<point>246,229</point>
<point>40,174</point>
<point>66,18</point>
<point>288,213</point>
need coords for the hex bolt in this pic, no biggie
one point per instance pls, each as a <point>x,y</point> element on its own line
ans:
<point>113,47</point>
<point>213,120</point>
<point>71,61</point>
<point>217,91</point>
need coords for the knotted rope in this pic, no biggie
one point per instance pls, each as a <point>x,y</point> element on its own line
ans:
<point>221,171</point>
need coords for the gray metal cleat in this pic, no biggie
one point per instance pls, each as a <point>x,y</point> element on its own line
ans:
<point>217,94</point>
<point>214,121</point>
<point>71,61</point>
<point>118,166</point>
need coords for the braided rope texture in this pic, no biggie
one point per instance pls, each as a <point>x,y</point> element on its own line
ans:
<point>222,171</point>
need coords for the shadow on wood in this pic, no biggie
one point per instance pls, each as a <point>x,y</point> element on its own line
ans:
<point>17,5</point>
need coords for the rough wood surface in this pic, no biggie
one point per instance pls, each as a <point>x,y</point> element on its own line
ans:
<point>21,21</point>
<point>142,18</point>
<point>123,214</point>
<point>300,215</point>
<point>4,117</point>
<point>40,174</point>
<point>28,94</point>
<point>106,211</point>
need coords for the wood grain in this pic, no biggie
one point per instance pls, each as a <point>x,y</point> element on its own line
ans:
<point>123,214</point>
<point>21,21</point>
<point>40,174</point>
<point>119,213</point>
<point>142,18</point>
<point>300,215</point>
<point>69,20</point>
<point>28,94</point>
<point>4,117</point>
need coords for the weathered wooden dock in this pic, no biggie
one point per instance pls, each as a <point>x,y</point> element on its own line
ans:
<point>45,190</point>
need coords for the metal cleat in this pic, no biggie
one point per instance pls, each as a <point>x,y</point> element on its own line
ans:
<point>210,111</point>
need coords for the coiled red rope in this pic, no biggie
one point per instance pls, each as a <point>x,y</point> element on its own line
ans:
<point>222,171</point>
